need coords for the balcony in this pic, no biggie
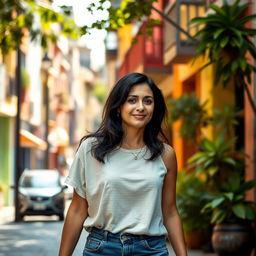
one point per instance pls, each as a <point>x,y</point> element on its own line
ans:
<point>146,55</point>
<point>178,47</point>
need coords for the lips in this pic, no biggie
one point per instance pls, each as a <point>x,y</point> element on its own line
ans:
<point>139,117</point>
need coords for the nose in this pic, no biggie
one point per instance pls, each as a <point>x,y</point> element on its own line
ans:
<point>140,106</point>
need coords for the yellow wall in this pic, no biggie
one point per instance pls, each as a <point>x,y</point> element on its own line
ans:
<point>124,41</point>
<point>164,82</point>
<point>216,97</point>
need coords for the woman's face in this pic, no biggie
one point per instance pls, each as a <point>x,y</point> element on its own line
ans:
<point>138,108</point>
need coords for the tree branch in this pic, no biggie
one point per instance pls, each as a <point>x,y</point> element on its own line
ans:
<point>173,23</point>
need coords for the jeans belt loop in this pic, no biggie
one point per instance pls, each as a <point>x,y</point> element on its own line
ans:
<point>105,235</point>
<point>141,237</point>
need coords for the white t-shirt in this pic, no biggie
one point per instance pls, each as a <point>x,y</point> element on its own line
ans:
<point>123,194</point>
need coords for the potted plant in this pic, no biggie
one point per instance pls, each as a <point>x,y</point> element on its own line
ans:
<point>232,214</point>
<point>222,168</point>
<point>191,198</point>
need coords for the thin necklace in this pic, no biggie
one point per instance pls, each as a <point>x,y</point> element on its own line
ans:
<point>136,155</point>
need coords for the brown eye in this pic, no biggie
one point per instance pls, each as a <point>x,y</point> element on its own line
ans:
<point>131,100</point>
<point>148,101</point>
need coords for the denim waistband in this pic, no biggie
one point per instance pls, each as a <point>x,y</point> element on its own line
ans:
<point>117,237</point>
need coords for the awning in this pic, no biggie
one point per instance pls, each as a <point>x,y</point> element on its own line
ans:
<point>29,140</point>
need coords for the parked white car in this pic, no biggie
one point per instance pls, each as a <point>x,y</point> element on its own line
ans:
<point>41,193</point>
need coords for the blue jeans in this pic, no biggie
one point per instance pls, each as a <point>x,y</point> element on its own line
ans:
<point>102,242</point>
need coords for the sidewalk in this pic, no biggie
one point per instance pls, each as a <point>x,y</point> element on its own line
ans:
<point>7,216</point>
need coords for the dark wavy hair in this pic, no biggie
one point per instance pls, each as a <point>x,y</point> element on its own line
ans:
<point>110,133</point>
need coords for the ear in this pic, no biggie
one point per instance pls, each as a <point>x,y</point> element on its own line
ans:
<point>118,113</point>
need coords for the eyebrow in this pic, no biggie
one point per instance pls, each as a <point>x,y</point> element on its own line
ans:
<point>131,95</point>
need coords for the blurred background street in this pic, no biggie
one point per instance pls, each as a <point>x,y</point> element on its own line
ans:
<point>40,235</point>
<point>58,61</point>
<point>37,235</point>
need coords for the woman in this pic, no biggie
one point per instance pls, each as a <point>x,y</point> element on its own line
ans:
<point>124,179</point>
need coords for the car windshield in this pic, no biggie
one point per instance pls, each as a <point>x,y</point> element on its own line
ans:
<point>46,180</point>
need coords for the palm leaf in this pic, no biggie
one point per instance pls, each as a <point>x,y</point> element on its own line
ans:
<point>246,19</point>
<point>213,170</point>
<point>218,10</point>
<point>224,41</point>
<point>236,12</point>
<point>195,157</point>
<point>218,32</point>
<point>230,161</point>
<point>198,20</point>
<point>247,186</point>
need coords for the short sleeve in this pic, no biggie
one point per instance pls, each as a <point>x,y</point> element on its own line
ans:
<point>76,176</point>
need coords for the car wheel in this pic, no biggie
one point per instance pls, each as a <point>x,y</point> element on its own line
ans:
<point>61,217</point>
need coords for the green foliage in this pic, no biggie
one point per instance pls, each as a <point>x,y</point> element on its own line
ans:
<point>225,40</point>
<point>100,92</point>
<point>190,111</point>
<point>127,12</point>
<point>191,198</point>
<point>194,116</point>
<point>230,203</point>
<point>18,17</point>
<point>225,119</point>
<point>216,160</point>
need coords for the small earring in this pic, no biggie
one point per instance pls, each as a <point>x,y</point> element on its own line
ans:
<point>118,114</point>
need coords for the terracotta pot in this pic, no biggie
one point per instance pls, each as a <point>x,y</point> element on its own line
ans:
<point>194,239</point>
<point>233,239</point>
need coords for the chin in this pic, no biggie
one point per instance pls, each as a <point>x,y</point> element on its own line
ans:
<point>140,125</point>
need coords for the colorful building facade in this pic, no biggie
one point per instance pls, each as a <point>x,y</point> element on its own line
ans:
<point>167,56</point>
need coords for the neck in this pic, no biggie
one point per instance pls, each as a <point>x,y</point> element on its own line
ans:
<point>133,139</point>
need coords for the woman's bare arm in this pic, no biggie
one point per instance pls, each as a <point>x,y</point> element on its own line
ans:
<point>171,216</point>
<point>73,225</point>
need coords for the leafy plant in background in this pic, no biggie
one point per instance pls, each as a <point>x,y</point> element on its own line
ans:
<point>190,111</point>
<point>216,160</point>
<point>191,198</point>
<point>225,119</point>
<point>225,41</point>
<point>230,203</point>
<point>193,116</point>
<point>17,18</point>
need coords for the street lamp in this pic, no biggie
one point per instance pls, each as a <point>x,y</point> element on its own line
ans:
<point>46,64</point>
<point>17,163</point>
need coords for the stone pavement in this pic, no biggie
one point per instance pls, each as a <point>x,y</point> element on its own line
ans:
<point>40,236</point>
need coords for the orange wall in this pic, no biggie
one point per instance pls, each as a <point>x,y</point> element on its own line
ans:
<point>187,79</point>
